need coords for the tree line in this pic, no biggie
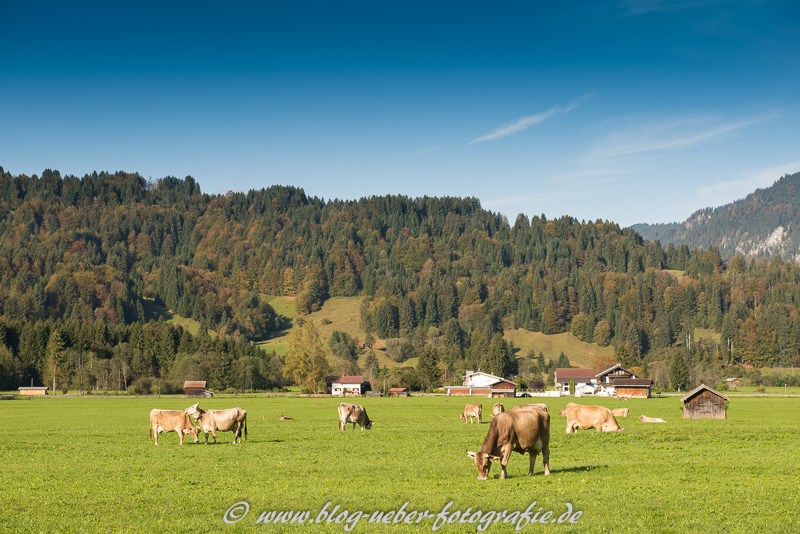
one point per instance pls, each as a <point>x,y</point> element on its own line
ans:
<point>434,274</point>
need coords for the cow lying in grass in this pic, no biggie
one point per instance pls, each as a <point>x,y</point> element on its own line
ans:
<point>514,431</point>
<point>230,420</point>
<point>584,417</point>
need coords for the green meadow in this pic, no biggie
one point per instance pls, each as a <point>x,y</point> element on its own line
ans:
<point>86,464</point>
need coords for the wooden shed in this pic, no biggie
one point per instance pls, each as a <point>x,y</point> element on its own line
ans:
<point>704,403</point>
<point>34,391</point>
<point>196,389</point>
<point>636,388</point>
<point>398,392</point>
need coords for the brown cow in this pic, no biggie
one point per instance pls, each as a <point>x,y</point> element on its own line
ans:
<point>620,412</point>
<point>232,419</point>
<point>598,417</point>
<point>472,410</point>
<point>498,408</point>
<point>535,406</point>
<point>562,413</point>
<point>518,431</point>
<point>356,414</point>
<point>171,421</point>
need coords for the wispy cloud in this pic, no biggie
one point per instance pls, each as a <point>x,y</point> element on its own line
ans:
<point>526,122</point>
<point>424,151</point>
<point>651,136</point>
<point>728,190</point>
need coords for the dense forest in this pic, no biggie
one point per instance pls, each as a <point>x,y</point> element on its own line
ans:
<point>764,224</point>
<point>441,277</point>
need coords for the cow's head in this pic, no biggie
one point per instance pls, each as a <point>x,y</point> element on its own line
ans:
<point>483,462</point>
<point>194,410</point>
<point>369,424</point>
<point>192,432</point>
<point>463,418</point>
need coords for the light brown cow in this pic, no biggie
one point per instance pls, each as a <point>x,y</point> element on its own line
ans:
<point>231,419</point>
<point>534,406</point>
<point>562,413</point>
<point>171,421</point>
<point>644,419</point>
<point>598,417</point>
<point>356,414</point>
<point>620,412</point>
<point>472,410</point>
<point>498,408</point>
<point>514,431</point>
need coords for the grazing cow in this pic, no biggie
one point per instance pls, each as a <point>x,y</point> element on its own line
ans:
<point>644,419</point>
<point>171,421</point>
<point>620,412</point>
<point>473,409</point>
<point>498,408</point>
<point>598,417</point>
<point>535,406</point>
<point>562,413</point>
<point>514,431</point>
<point>356,414</point>
<point>232,419</point>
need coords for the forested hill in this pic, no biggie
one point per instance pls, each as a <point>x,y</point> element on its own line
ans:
<point>765,223</point>
<point>434,272</point>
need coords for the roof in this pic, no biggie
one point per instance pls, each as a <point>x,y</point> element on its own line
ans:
<point>507,381</point>
<point>194,384</point>
<point>346,379</point>
<point>732,379</point>
<point>631,382</point>
<point>397,390</point>
<point>565,374</point>
<point>471,373</point>
<point>32,387</point>
<point>699,389</point>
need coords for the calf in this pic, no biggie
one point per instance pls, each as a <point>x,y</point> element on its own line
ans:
<point>514,431</point>
<point>356,414</point>
<point>232,419</point>
<point>498,408</point>
<point>472,410</point>
<point>171,421</point>
<point>644,419</point>
<point>598,417</point>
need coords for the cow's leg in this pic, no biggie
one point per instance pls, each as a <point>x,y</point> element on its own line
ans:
<point>545,459</point>
<point>205,433</point>
<point>533,462</point>
<point>156,432</point>
<point>214,434</point>
<point>180,434</point>
<point>504,460</point>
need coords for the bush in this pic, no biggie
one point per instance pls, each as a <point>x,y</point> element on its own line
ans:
<point>722,386</point>
<point>761,389</point>
<point>141,386</point>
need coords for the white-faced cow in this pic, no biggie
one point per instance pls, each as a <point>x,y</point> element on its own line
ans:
<point>472,411</point>
<point>644,419</point>
<point>620,412</point>
<point>171,421</point>
<point>498,408</point>
<point>534,406</point>
<point>598,417</point>
<point>514,431</point>
<point>356,414</point>
<point>232,419</point>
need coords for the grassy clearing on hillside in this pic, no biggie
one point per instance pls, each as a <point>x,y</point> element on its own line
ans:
<point>700,333</point>
<point>86,464</point>
<point>155,311</point>
<point>580,354</point>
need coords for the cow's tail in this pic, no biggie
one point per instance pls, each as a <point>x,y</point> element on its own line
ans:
<point>245,426</point>
<point>151,431</point>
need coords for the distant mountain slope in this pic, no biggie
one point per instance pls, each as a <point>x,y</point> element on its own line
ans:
<point>765,223</point>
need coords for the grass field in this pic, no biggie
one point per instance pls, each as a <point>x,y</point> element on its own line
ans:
<point>85,464</point>
<point>580,354</point>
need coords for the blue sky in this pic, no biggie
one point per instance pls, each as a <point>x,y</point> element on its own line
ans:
<point>630,111</point>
